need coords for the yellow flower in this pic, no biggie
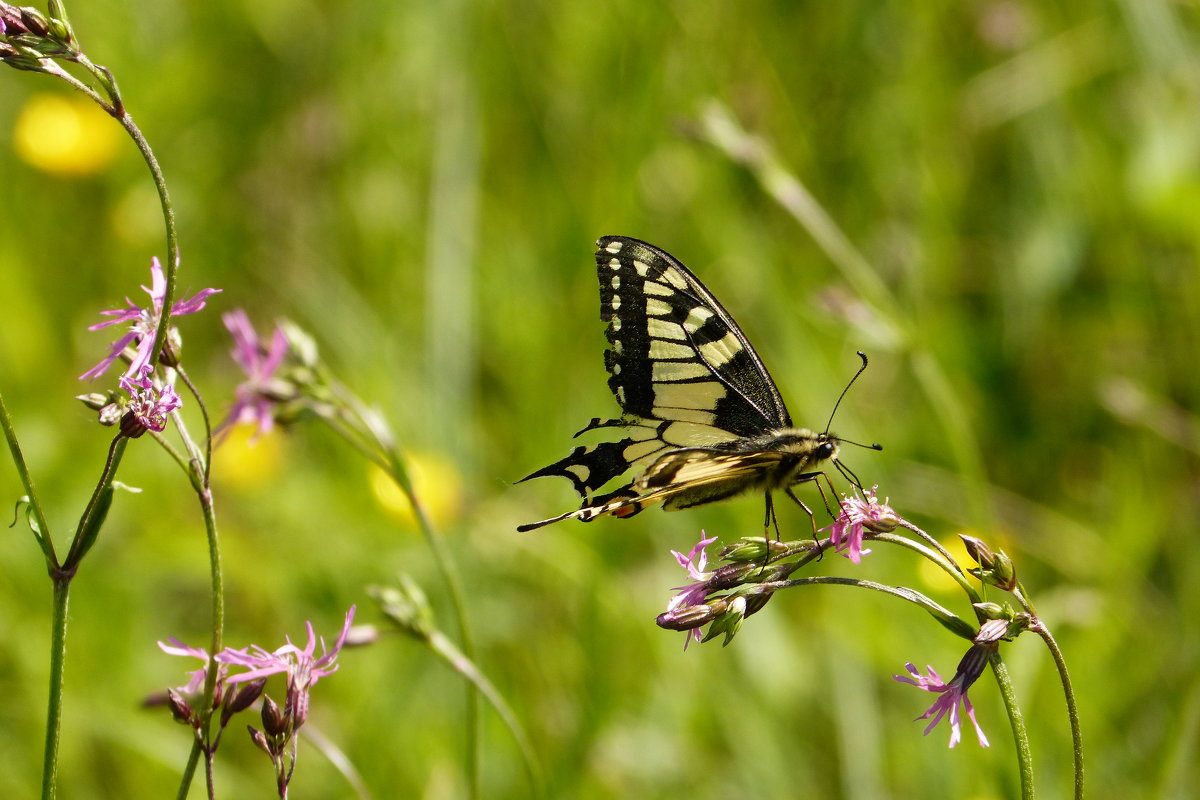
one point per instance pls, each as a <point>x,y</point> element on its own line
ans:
<point>437,485</point>
<point>243,465</point>
<point>66,136</point>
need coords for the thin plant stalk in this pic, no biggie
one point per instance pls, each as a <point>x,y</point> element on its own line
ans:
<point>466,667</point>
<point>377,446</point>
<point>1060,663</point>
<point>58,652</point>
<point>61,577</point>
<point>1016,721</point>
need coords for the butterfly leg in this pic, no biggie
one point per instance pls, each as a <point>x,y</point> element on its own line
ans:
<point>812,518</point>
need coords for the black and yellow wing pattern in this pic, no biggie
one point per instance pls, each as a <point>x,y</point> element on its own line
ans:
<point>703,419</point>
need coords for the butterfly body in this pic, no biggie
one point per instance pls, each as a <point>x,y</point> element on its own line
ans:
<point>703,419</point>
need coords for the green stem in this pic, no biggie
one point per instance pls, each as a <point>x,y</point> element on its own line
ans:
<point>197,470</point>
<point>117,110</point>
<point>1016,721</point>
<point>58,652</point>
<point>45,541</point>
<point>465,666</point>
<point>948,619</point>
<point>168,211</point>
<point>1060,663</point>
<point>208,438</point>
<point>1072,710</point>
<point>949,567</point>
<point>358,431</point>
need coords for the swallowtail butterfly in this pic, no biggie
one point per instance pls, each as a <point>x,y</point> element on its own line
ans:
<point>702,417</point>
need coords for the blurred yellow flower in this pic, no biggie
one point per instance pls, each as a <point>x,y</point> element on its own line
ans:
<point>65,135</point>
<point>243,465</point>
<point>436,482</point>
<point>936,579</point>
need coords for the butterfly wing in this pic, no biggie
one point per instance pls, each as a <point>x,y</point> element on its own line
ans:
<point>675,353</point>
<point>684,375</point>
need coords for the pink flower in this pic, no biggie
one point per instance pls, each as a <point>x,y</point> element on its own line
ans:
<point>143,323</point>
<point>694,593</point>
<point>859,515</point>
<point>256,396</point>
<point>178,648</point>
<point>953,694</point>
<point>302,669</point>
<point>148,407</point>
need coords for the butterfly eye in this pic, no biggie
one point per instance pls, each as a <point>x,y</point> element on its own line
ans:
<point>824,451</point>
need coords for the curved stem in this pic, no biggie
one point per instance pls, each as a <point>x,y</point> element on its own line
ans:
<point>934,543</point>
<point>1016,722</point>
<point>948,619</point>
<point>58,651</point>
<point>168,211</point>
<point>1060,664</point>
<point>949,567</point>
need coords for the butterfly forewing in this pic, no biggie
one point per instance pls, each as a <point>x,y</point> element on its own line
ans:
<point>674,352</point>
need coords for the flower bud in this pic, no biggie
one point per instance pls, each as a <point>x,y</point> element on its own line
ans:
<point>1005,572</point>
<point>405,606</point>
<point>754,549</point>
<point>978,550</point>
<point>730,622</point>
<point>273,719</point>
<point>995,568</point>
<point>993,611</point>
<point>690,617</point>
<point>260,740</point>
<point>111,414</point>
<point>241,699</point>
<point>33,22</point>
<point>181,710</point>
<point>94,400</point>
<point>992,631</point>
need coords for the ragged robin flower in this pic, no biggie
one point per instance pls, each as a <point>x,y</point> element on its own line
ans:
<point>858,516</point>
<point>952,695</point>
<point>303,670</point>
<point>142,324</point>
<point>148,405</point>
<point>261,392</point>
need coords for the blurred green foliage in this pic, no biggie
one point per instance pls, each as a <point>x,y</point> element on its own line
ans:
<point>420,185</point>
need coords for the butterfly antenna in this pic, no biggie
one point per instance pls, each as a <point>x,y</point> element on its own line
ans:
<point>861,369</point>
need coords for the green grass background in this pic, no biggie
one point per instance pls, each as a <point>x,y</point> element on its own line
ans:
<point>421,184</point>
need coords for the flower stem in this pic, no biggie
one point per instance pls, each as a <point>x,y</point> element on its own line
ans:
<point>947,566</point>
<point>377,446</point>
<point>948,619</point>
<point>196,468</point>
<point>58,652</point>
<point>168,212</point>
<point>465,666</point>
<point>1016,721</point>
<point>1072,710</point>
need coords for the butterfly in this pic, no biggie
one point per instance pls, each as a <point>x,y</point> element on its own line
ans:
<point>703,419</point>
